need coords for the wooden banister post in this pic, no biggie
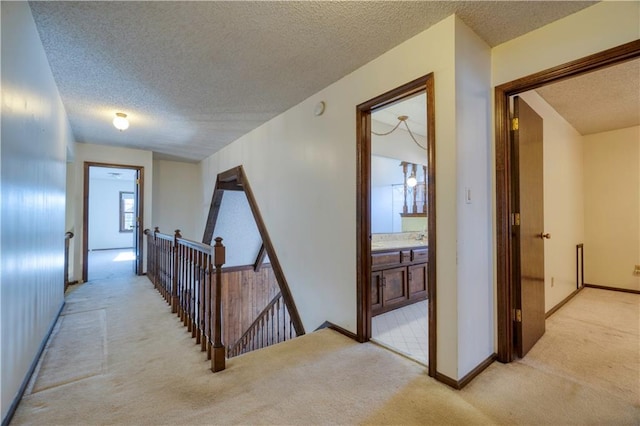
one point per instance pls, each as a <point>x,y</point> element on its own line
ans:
<point>150,256</point>
<point>67,236</point>
<point>404,180</point>
<point>424,190</point>
<point>414,207</point>
<point>174,273</point>
<point>218,358</point>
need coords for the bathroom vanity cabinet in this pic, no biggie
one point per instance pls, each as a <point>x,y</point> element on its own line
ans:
<point>398,278</point>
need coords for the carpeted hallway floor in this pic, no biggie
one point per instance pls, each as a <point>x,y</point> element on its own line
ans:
<point>118,356</point>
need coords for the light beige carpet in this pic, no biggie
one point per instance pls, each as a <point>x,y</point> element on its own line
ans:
<point>594,340</point>
<point>156,374</point>
<point>77,350</point>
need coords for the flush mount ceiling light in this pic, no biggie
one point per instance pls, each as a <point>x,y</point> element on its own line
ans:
<point>120,122</point>
<point>401,119</point>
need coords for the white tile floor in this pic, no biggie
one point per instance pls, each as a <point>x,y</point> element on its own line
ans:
<point>405,330</point>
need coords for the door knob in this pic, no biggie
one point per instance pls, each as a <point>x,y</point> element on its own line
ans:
<point>543,236</point>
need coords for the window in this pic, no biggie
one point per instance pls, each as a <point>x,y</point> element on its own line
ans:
<point>127,211</point>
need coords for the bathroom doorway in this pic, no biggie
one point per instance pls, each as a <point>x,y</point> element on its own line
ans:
<point>396,221</point>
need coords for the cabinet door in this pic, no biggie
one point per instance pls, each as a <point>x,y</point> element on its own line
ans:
<point>418,281</point>
<point>394,286</point>
<point>376,292</point>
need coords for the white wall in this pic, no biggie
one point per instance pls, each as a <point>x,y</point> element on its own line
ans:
<point>35,133</point>
<point>302,169</point>
<point>176,202</point>
<point>594,29</point>
<point>104,214</point>
<point>612,208</point>
<point>109,155</point>
<point>474,293</point>
<point>563,200</point>
<point>237,227</point>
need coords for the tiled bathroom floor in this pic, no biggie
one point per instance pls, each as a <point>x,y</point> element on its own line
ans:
<point>404,330</point>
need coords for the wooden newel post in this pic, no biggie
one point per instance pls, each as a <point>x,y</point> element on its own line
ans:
<point>218,358</point>
<point>150,256</point>
<point>67,236</point>
<point>174,273</point>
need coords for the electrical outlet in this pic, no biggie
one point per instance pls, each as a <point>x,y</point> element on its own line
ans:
<point>636,271</point>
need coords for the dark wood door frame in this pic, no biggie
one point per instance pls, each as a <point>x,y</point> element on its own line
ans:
<point>503,92</point>
<point>85,215</point>
<point>363,206</point>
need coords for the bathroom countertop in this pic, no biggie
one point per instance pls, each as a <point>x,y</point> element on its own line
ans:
<point>397,245</point>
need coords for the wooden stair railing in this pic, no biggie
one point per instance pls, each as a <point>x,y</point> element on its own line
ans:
<point>236,179</point>
<point>272,325</point>
<point>67,239</point>
<point>188,275</point>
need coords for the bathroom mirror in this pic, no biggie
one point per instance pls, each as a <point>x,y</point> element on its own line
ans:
<point>398,148</point>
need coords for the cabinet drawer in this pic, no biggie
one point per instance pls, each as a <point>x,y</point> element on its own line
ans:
<point>385,259</point>
<point>420,255</point>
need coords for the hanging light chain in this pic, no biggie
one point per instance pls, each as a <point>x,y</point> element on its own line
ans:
<point>401,119</point>
<point>389,132</point>
<point>413,137</point>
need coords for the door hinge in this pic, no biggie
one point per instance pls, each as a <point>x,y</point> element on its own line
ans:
<point>137,181</point>
<point>514,124</point>
<point>515,219</point>
<point>517,315</point>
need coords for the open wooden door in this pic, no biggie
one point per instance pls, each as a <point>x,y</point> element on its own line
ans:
<point>528,229</point>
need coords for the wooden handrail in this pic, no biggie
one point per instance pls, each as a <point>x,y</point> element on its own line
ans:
<point>183,272</point>
<point>272,325</point>
<point>188,274</point>
<point>67,237</point>
<point>195,245</point>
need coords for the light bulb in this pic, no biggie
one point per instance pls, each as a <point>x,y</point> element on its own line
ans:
<point>120,122</point>
<point>412,181</point>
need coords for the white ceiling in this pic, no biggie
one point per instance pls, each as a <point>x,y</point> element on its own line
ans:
<point>195,76</point>
<point>415,108</point>
<point>112,173</point>
<point>600,101</point>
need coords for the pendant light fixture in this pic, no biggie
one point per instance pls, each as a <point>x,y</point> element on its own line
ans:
<point>412,180</point>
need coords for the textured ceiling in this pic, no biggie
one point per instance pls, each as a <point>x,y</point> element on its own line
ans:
<point>195,76</point>
<point>600,101</point>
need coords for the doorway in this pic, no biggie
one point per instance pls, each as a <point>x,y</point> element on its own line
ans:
<point>396,251</point>
<point>112,218</point>
<point>512,311</point>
